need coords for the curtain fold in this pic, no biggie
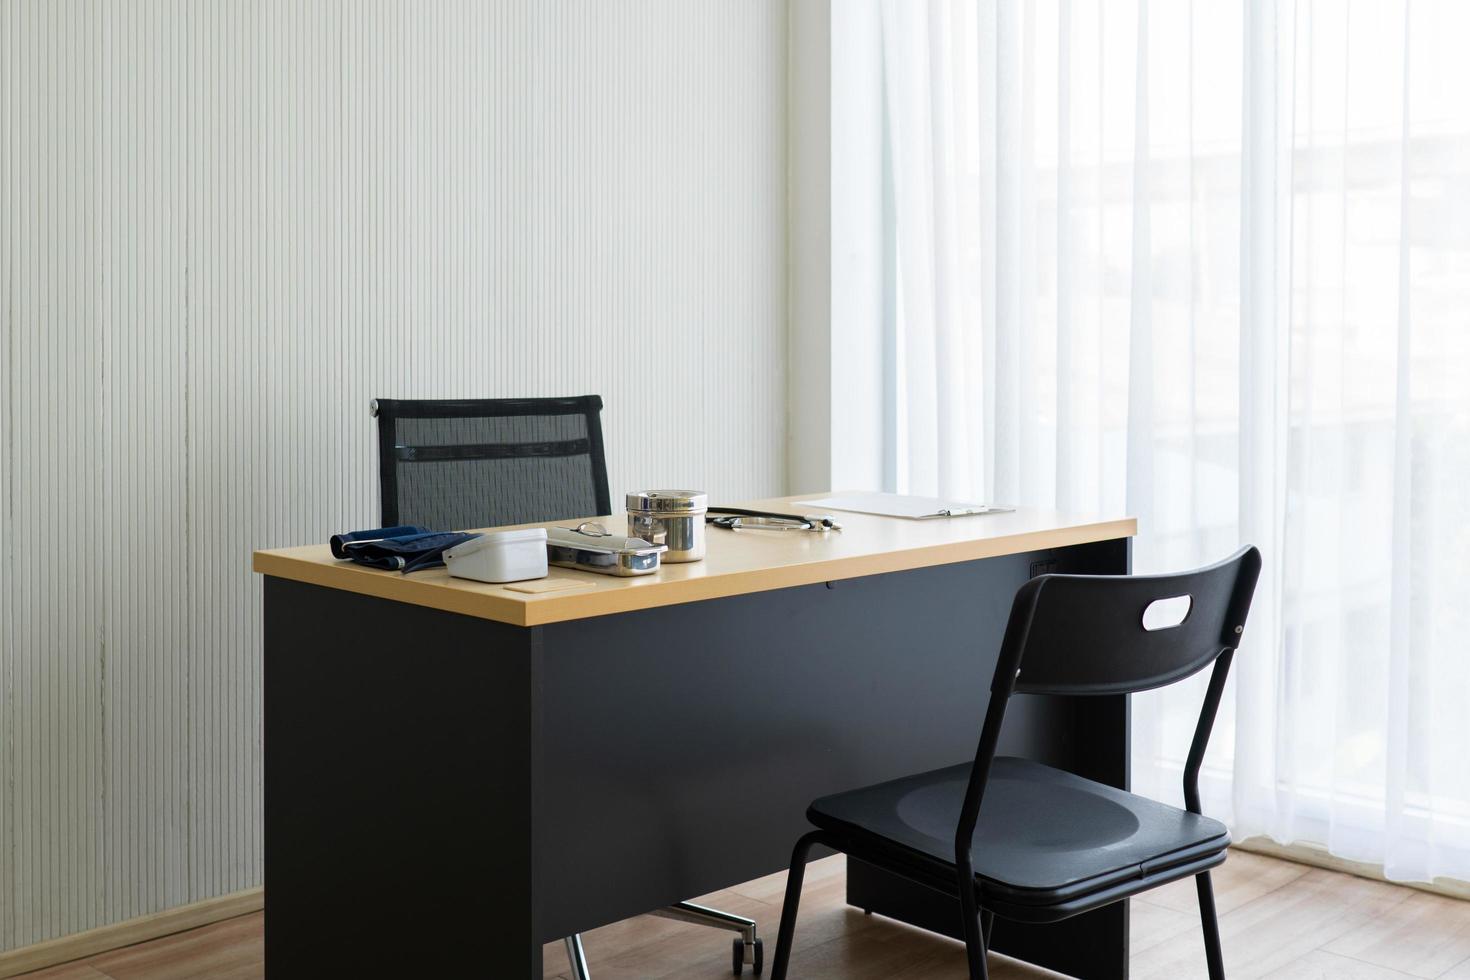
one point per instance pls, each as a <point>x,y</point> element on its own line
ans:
<point>1209,263</point>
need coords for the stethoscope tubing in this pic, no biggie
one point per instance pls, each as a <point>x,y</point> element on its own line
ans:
<point>811,523</point>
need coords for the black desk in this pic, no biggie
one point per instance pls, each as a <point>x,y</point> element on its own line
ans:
<point>446,791</point>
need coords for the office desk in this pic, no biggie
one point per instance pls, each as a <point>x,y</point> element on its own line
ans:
<point>456,773</point>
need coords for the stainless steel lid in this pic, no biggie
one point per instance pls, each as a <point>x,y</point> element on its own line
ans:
<point>668,502</point>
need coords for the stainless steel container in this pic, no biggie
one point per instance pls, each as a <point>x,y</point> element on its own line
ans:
<point>674,518</point>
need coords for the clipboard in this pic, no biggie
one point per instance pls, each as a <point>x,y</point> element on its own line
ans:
<point>901,505</point>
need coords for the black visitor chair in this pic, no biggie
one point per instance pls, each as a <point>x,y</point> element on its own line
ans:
<point>454,465</point>
<point>1017,839</point>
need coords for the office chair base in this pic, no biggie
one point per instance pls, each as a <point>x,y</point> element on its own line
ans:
<point>577,957</point>
<point>742,953</point>
<point>746,950</point>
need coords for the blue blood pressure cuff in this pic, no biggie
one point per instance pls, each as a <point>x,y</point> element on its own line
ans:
<point>404,548</point>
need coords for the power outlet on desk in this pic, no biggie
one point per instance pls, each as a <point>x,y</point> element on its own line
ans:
<point>1045,567</point>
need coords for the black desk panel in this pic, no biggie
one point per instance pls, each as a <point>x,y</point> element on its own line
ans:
<point>447,793</point>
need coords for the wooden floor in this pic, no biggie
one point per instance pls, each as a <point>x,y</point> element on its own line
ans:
<point>1278,920</point>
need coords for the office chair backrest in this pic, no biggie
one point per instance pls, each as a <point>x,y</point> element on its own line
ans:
<point>457,464</point>
<point>1117,634</point>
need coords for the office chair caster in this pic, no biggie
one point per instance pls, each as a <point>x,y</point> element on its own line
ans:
<point>737,958</point>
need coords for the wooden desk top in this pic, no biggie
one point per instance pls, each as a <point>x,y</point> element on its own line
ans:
<point>735,563</point>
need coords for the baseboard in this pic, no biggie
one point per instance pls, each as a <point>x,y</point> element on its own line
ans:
<point>1319,857</point>
<point>120,934</point>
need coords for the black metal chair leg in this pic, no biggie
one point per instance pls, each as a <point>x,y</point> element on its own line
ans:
<point>1211,926</point>
<point>793,901</point>
<point>975,955</point>
<point>977,938</point>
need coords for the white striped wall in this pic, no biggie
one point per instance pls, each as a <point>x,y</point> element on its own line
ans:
<point>223,228</point>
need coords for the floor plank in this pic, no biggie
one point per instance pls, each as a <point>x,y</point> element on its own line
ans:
<point>1423,936</point>
<point>1149,925</point>
<point>1460,972</point>
<point>1322,965</point>
<point>66,971</point>
<point>229,950</point>
<point>1275,929</point>
<point>1278,920</point>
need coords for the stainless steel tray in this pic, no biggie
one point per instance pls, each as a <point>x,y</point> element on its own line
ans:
<point>590,548</point>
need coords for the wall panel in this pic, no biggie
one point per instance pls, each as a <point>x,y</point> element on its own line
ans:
<point>223,229</point>
<point>54,617</point>
<point>9,83</point>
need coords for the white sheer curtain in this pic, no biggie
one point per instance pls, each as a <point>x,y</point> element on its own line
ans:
<point>1209,263</point>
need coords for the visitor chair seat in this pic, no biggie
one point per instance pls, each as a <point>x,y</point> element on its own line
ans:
<point>1047,840</point>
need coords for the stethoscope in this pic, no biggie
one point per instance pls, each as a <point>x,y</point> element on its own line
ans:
<point>738,518</point>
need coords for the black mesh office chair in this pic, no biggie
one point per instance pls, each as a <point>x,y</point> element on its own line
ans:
<point>1031,843</point>
<point>459,464</point>
<point>454,465</point>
